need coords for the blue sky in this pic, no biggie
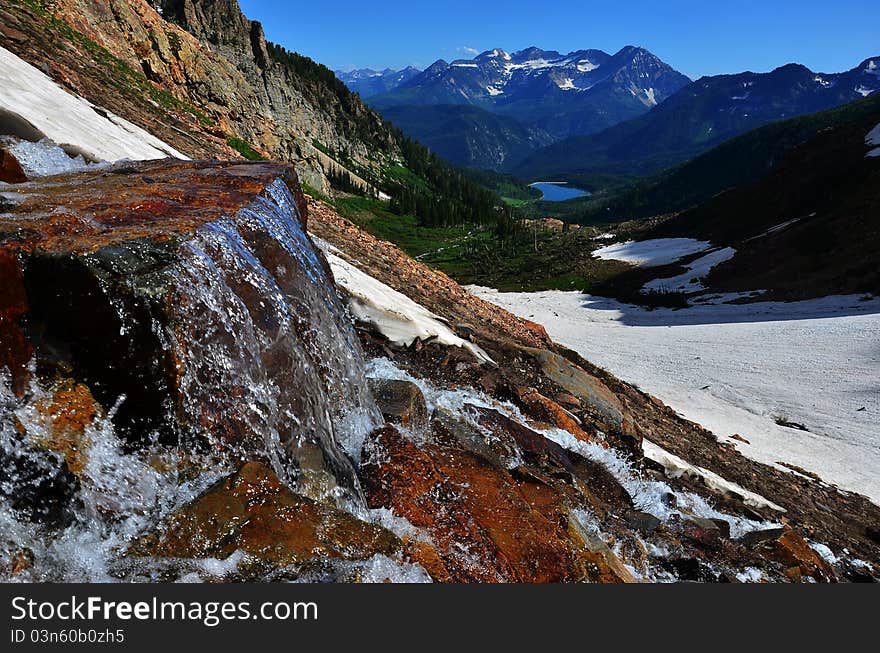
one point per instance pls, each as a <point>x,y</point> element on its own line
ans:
<point>698,37</point>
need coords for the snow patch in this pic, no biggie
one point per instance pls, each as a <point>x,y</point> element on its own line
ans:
<point>872,140</point>
<point>735,368</point>
<point>689,282</point>
<point>586,66</point>
<point>652,98</point>
<point>68,119</point>
<point>397,317</point>
<point>652,253</point>
<point>676,467</point>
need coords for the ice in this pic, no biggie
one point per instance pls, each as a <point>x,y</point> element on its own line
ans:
<point>689,282</point>
<point>741,368</point>
<point>68,119</point>
<point>651,253</point>
<point>823,550</point>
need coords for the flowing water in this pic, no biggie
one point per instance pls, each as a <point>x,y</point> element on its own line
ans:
<point>268,366</point>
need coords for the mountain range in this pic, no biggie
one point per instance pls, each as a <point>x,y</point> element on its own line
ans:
<point>368,82</point>
<point>702,115</point>
<point>628,113</point>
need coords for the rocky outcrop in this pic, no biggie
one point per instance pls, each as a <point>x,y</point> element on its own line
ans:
<point>532,371</point>
<point>176,292</point>
<point>198,90</point>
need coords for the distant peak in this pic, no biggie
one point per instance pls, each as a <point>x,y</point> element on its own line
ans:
<point>496,53</point>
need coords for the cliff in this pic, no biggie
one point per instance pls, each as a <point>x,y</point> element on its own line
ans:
<point>207,97</point>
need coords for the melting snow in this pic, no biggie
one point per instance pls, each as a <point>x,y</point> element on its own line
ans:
<point>741,368</point>
<point>651,253</point>
<point>68,119</point>
<point>689,281</point>
<point>676,468</point>
<point>397,317</point>
<point>873,139</point>
<point>652,99</point>
<point>45,158</point>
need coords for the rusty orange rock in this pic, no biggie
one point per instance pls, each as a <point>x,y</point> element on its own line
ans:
<point>465,504</point>
<point>253,511</point>
<point>71,410</point>
<point>797,558</point>
<point>83,212</point>
<point>11,171</point>
<point>549,411</point>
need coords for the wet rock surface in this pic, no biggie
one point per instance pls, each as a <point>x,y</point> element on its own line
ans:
<point>181,290</point>
<point>401,402</point>
<point>254,512</point>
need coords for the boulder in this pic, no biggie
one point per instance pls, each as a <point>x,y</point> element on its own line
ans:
<point>192,290</point>
<point>705,532</point>
<point>796,558</point>
<point>549,411</point>
<point>644,522</point>
<point>481,524</point>
<point>591,391</point>
<point>254,512</point>
<point>591,479</point>
<point>452,430</point>
<point>401,402</point>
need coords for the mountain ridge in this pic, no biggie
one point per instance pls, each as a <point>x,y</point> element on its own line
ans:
<point>702,115</point>
<point>577,92</point>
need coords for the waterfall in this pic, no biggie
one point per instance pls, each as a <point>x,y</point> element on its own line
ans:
<point>269,359</point>
<point>239,330</point>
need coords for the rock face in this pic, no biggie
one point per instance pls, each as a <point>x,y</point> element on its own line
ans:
<point>189,296</point>
<point>197,83</point>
